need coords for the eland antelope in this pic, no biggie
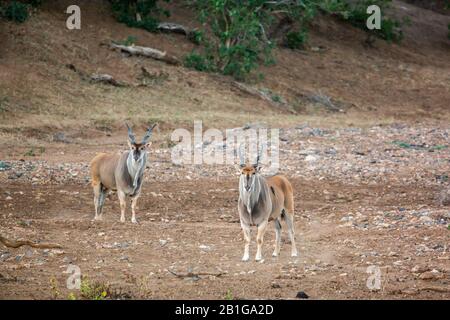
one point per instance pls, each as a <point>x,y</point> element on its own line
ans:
<point>262,200</point>
<point>121,172</point>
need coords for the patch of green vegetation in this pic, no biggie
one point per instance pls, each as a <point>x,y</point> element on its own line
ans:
<point>22,224</point>
<point>229,295</point>
<point>4,166</point>
<point>34,151</point>
<point>407,145</point>
<point>93,291</point>
<point>234,40</point>
<point>198,62</point>
<point>138,14</point>
<point>296,39</point>
<point>439,147</point>
<point>54,287</point>
<point>355,12</point>
<point>196,36</point>
<point>402,144</point>
<point>16,11</point>
<point>129,41</point>
<point>71,296</point>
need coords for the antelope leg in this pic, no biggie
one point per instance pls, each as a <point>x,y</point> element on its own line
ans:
<point>123,204</point>
<point>291,231</point>
<point>247,238</point>
<point>133,208</point>
<point>277,224</point>
<point>260,239</point>
<point>97,195</point>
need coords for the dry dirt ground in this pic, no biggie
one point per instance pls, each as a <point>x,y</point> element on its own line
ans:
<point>367,180</point>
<point>366,201</point>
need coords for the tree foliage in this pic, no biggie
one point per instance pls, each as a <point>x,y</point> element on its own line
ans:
<point>238,35</point>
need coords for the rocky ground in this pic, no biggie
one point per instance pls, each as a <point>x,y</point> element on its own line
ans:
<point>364,197</point>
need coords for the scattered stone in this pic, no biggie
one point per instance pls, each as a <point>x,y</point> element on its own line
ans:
<point>204,247</point>
<point>431,275</point>
<point>444,197</point>
<point>311,158</point>
<point>302,295</point>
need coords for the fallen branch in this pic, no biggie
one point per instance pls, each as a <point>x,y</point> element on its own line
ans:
<point>18,243</point>
<point>173,27</point>
<point>106,78</point>
<point>435,289</point>
<point>264,96</point>
<point>147,52</point>
<point>191,274</point>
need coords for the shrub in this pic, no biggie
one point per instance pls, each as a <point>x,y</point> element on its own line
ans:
<point>94,291</point>
<point>16,11</point>
<point>235,42</point>
<point>296,39</point>
<point>196,36</point>
<point>355,13</point>
<point>127,11</point>
<point>234,38</point>
<point>197,62</point>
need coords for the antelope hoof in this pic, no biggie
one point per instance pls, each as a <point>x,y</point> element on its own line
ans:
<point>294,254</point>
<point>133,220</point>
<point>122,219</point>
<point>97,218</point>
<point>275,254</point>
<point>245,258</point>
<point>258,258</point>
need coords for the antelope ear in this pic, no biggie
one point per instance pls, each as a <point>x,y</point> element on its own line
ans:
<point>148,144</point>
<point>257,167</point>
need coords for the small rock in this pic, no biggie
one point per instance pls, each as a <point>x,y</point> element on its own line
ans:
<point>444,197</point>
<point>425,219</point>
<point>302,295</point>
<point>311,158</point>
<point>431,275</point>
<point>204,247</point>
<point>57,252</point>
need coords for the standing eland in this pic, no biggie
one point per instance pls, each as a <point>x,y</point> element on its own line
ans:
<point>262,200</point>
<point>121,172</point>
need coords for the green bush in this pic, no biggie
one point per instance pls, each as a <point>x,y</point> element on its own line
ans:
<point>197,62</point>
<point>296,39</point>
<point>196,36</point>
<point>16,11</point>
<point>355,13</point>
<point>126,11</point>
<point>234,39</point>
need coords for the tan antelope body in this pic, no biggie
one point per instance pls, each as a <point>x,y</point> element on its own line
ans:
<point>262,200</point>
<point>121,172</point>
